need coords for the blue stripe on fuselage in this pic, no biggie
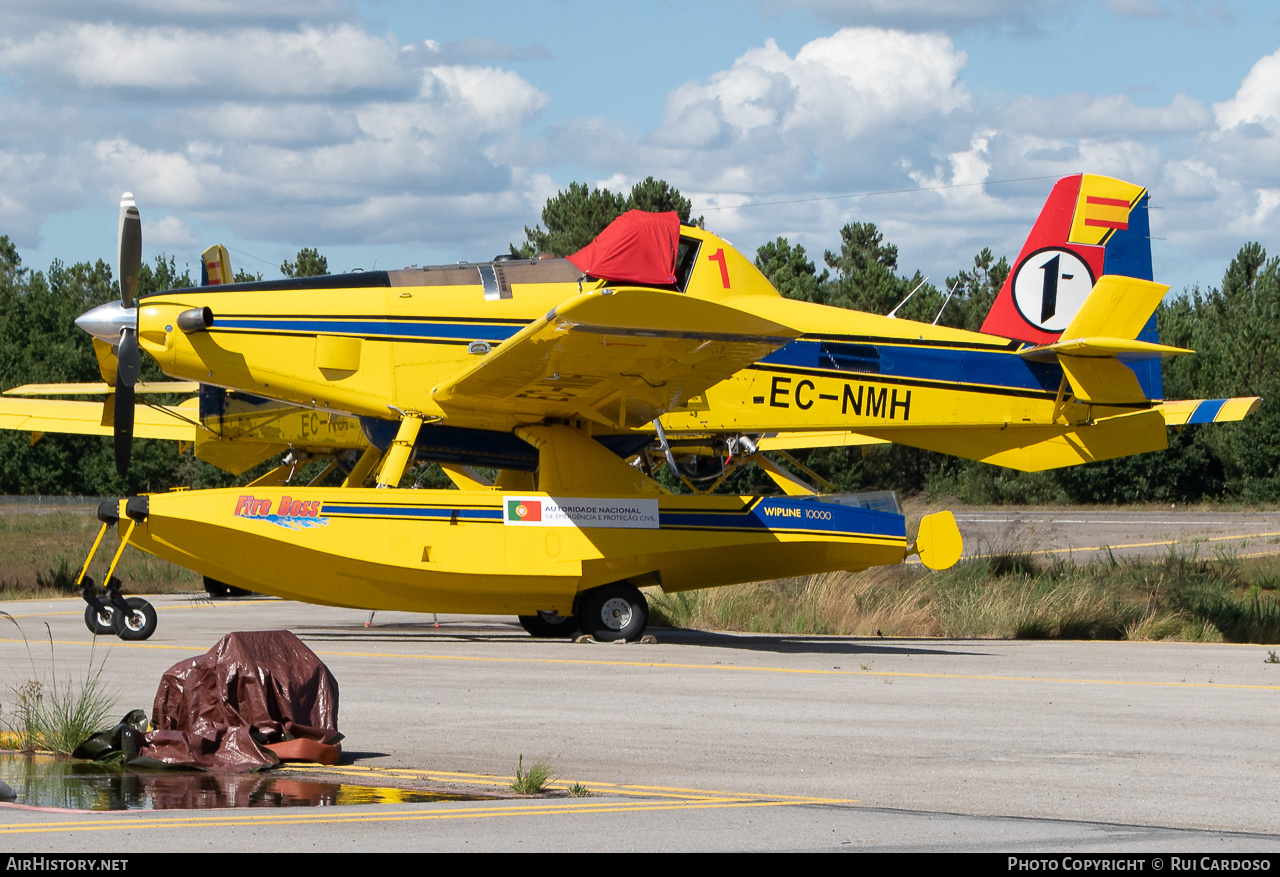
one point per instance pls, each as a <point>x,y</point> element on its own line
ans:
<point>950,365</point>
<point>781,514</point>
<point>368,328</point>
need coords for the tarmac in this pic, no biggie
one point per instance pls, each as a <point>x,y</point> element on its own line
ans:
<point>710,741</point>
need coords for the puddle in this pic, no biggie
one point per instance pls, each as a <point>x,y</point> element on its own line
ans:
<point>46,781</point>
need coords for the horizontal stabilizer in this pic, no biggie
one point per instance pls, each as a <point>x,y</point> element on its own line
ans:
<point>1117,307</point>
<point>1102,347</point>
<point>1209,410</point>
<point>1103,336</point>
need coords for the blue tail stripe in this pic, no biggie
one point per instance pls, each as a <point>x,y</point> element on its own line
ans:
<point>1206,411</point>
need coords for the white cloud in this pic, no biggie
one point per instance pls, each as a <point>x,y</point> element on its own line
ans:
<point>773,122</point>
<point>853,81</point>
<point>1258,98</point>
<point>169,233</point>
<point>308,62</point>
<point>280,133</point>
<point>1087,115</point>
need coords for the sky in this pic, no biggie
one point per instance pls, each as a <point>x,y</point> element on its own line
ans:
<point>388,133</point>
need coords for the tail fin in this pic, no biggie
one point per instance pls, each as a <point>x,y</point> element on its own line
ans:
<point>1090,226</point>
<point>215,266</point>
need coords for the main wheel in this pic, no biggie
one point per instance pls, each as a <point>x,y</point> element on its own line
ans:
<point>614,612</point>
<point>100,621</point>
<point>549,625</point>
<point>139,623</point>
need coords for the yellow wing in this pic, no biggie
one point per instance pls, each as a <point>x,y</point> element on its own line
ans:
<point>100,389</point>
<point>38,416</point>
<point>792,441</point>
<point>619,357</point>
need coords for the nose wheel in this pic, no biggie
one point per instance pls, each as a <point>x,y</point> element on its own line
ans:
<point>110,612</point>
<point>131,618</point>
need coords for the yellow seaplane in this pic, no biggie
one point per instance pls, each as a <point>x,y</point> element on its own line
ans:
<point>572,379</point>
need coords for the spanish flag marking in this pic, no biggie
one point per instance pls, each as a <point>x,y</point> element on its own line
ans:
<point>1106,212</point>
<point>1102,208</point>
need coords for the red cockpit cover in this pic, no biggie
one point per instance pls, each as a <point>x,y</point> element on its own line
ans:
<point>637,247</point>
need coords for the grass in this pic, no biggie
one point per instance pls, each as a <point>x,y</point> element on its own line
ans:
<point>534,780</point>
<point>1008,595</point>
<point>41,554</point>
<point>57,715</point>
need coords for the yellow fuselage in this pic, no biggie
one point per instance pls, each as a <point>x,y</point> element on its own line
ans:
<point>377,350</point>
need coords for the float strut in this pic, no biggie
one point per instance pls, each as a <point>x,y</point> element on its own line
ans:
<point>400,451</point>
<point>92,551</point>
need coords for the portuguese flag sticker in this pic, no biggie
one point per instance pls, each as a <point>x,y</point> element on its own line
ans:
<point>525,511</point>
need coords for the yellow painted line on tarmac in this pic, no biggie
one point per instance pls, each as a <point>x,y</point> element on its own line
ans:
<point>110,642</point>
<point>797,670</point>
<point>504,782</point>
<point>660,665</point>
<point>195,603</point>
<point>1167,542</point>
<point>471,810</point>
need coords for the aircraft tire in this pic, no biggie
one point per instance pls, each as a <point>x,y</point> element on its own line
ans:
<point>541,627</point>
<point>140,623</point>
<point>100,623</point>
<point>614,612</point>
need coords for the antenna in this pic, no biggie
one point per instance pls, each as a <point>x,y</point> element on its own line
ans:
<point>945,301</point>
<point>908,298</point>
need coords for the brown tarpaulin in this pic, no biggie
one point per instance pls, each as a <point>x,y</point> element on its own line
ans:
<point>224,709</point>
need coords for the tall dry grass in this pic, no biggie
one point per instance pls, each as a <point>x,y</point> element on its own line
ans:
<point>1008,595</point>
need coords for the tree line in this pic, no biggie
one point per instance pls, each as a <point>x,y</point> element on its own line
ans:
<point>1232,327</point>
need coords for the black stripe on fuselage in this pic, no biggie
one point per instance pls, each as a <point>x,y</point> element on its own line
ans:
<point>858,377</point>
<point>353,280</point>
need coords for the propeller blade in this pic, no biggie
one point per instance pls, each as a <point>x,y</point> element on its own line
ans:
<point>129,249</point>
<point>126,378</point>
<point>123,434</point>
<point>127,358</point>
